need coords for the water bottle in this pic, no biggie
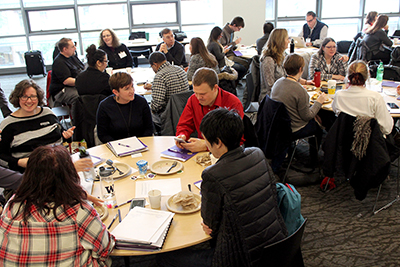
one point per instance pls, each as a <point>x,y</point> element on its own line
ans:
<point>379,73</point>
<point>89,175</point>
<point>292,46</point>
<point>107,186</point>
<point>317,77</point>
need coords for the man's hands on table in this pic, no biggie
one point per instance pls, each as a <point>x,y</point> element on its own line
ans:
<point>193,144</point>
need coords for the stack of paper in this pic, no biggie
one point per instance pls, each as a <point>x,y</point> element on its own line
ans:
<point>127,146</point>
<point>177,153</point>
<point>143,229</point>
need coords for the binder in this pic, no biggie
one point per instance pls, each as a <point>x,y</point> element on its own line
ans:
<point>127,146</point>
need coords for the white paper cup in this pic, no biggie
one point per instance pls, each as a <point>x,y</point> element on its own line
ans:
<point>155,198</point>
<point>109,71</point>
<point>331,87</point>
<point>129,70</point>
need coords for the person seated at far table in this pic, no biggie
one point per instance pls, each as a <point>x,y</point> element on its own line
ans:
<point>331,64</point>
<point>51,216</point>
<point>168,80</point>
<point>289,91</point>
<point>357,100</point>
<point>30,126</point>
<point>173,50</point>
<point>207,96</point>
<point>123,114</point>
<point>94,80</point>
<point>118,54</point>
<point>377,40</point>
<point>238,206</point>
<point>267,29</point>
<point>271,68</point>
<point>200,57</point>
<point>314,30</point>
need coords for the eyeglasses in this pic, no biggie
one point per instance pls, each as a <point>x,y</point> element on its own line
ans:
<point>309,20</point>
<point>105,61</point>
<point>106,35</point>
<point>330,47</point>
<point>25,97</point>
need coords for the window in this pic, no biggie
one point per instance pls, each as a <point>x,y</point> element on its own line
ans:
<point>198,31</point>
<point>12,52</point>
<point>293,27</point>
<point>386,6</point>
<point>295,8</point>
<point>199,11</point>
<point>92,17</point>
<point>38,3</point>
<point>154,14</point>
<point>336,27</point>
<point>9,4</point>
<point>11,23</point>
<point>270,10</point>
<point>334,9</point>
<point>47,20</point>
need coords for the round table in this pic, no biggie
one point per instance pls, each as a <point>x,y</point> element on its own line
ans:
<point>185,230</point>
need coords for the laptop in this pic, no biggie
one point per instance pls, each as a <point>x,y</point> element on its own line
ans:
<point>298,41</point>
<point>396,34</point>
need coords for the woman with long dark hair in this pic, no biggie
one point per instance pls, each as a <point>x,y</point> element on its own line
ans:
<point>200,57</point>
<point>49,214</point>
<point>377,40</point>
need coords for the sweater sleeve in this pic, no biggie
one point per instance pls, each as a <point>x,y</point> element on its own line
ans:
<point>5,149</point>
<point>158,94</point>
<point>216,50</point>
<point>147,119</point>
<point>385,39</point>
<point>194,64</point>
<point>103,122</point>
<point>382,115</point>
<point>186,122</point>
<point>129,59</point>
<point>305,111</point>
<point>312,66</point>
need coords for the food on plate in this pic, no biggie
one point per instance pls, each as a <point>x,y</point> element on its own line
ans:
<point>315,96</point>
<point>186,199</point>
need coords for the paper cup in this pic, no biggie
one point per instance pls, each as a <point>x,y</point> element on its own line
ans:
<point>155,198</point>
<point>129,70</point>
<point>109,71</point>
<point>331,87</point>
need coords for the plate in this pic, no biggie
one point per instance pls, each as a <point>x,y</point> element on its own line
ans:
<point>102,211</point>
<point>162,166</point>
<point>329,100</point>
<point>125,169</point>
<point>178,208</point>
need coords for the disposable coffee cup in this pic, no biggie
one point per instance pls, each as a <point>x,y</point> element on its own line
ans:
<point>142,166</point>
<point>109,71</point>
<point>129,70</point>
<point>331,87</point>
<point>155,198</point>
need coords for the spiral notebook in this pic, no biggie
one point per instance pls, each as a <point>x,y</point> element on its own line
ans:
<point>127,146</point>
<point>177,153</point>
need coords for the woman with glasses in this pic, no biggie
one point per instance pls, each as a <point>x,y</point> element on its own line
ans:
<point>331,64</point>
<point>29,127</point>
<point>118,54</point>
<point>94,80</point>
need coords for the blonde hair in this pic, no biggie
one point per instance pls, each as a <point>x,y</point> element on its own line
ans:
<point>357,73</point>
<point>276,45</point>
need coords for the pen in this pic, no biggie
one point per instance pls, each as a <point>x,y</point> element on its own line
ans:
<point>113,220</point>
<point>126,202</point>
<point>175,150</point>
<point>123,145</point>
<point>119,215</point>
<point>190,187</point>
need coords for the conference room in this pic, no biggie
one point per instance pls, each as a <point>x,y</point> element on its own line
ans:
<point>340,230</point>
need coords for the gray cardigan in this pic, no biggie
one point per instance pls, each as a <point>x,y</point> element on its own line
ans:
<point>197,62</point>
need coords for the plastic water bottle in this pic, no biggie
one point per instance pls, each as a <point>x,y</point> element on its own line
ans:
<point>292,46</point>
<point>379,73</point>
<point>89,175</point>
<point>107,186</point>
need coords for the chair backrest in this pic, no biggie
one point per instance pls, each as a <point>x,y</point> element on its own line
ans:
<point>343,46</point>
<point>273,127</point>
<point>286,252</point>
<point>137,35</point>
<point>249,89</point>
<point>249,133</point>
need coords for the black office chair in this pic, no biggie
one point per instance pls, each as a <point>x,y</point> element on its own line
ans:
<point>137,53</point>
<point>286,252</point>
<point>250,106</point>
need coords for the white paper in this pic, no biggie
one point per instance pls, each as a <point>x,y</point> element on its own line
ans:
<point>168,187</point>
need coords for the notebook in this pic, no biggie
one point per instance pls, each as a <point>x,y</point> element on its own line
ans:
<point>177,154</point>
<point>127,146</point>
<point>143,229</point>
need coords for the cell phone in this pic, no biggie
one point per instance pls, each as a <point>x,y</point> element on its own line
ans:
<point>138,202</point>
<point>229,47</point>
<point>393,105</point>
<point>179,140</point>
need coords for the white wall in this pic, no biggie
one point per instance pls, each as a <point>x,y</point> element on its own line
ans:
<point>253,13</point>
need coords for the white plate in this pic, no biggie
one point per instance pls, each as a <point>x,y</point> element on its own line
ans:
<point>125,169</point>
<point>102,211</point>
<point>162,166</point>
<point>179,209</point>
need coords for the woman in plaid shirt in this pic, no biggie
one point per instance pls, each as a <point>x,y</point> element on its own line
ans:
<point>48,222</point>
<point>329,61</point>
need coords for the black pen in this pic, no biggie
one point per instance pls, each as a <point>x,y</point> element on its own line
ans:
<point>190,187</point>
<point>126,202</point>
<point>113,220</point>
<point>119,215</point>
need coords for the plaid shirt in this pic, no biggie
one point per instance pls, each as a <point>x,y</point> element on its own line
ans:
<point>169,80</point>
<point>338,67</point>
<point>79,239</point>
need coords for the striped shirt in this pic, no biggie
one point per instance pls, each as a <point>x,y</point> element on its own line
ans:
<point>79,239</point>
<point>169,80</point>
<point>21,135</point>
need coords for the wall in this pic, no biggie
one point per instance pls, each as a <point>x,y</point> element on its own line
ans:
<point>253,13</point>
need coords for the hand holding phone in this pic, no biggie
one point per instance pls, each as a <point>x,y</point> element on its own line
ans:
<point>180,140</point>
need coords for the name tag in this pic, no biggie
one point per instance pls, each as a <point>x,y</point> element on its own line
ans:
<point>122,54</point>
<point>44,123</point>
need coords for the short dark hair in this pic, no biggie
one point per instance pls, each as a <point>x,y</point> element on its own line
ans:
<point>268,27</point>
<point>50,177</point>
<point>93,55</point>
<point>165,31</point>
<point>238,21</point>
<point>293,63</point>
<point>19,91</point>
<point>205,75</point>
<point>119,80</point>
<point>63,43</point>
<point>156,57</point>
<point>223,124</point>
<point>311,13</point>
